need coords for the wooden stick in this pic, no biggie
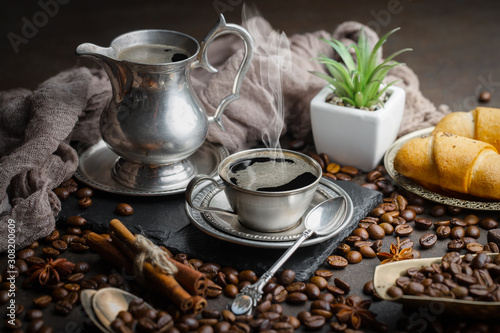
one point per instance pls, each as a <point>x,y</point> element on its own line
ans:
<point>168,286</point>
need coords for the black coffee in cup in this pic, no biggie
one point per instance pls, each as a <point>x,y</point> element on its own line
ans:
<point>269,174</point>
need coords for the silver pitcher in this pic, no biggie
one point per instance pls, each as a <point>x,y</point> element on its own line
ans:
<point>154,121</point>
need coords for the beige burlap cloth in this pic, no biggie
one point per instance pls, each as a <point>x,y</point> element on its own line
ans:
<point>37,126</point>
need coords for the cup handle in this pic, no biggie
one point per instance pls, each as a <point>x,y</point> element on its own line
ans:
<point>189,196</point>
<point>222,28</point>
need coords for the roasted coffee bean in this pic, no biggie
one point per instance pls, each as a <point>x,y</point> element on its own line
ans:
<point>351,240</point>
<point>361,232</point>
<point>457,233</point>
<point>72,298</point>
<point>456,245</point>
<point>42,301</point>
<point>12,324</point>
<point>314,322</point>
<point>377,212</point>
<point>474,247</point>
<point>50,252</point>
<point>285,277</point>
<point>280,294</point>
<point>343,249</point>
<point>492,247</point>
<point>124,209</point>
<point>349,170</point>
<point>34,314</point>
<point>359,244</point>
<point>377,245</point>
<point>72,287</point>
<point>368,288</point>
<point>24,254</point>
<point>81,267</point>
<point>319,281</point>
<point>22,267</point>
<point>312,291</point>
<point>367,252</point>
<point>373,176</point>
<point>417,209</point>
<point>354,257</point>
<point>472,231</point>
<point>318,159</point>
<point>297,286</point>
<point>484,96</point>
<point>376,232</point>
<point>394,292</point>
<point>230,290</point>
<point>437,211</point>
<point>333,168</point>
<point>403,230</point>
<point>326,274</point>
<point>62,193</point>
<point>76,221</point>
<point>337,261</point>
<point>52,237</point>
<point>428,240</point>
<point>84,192</point>
<point>4,296</point>
<point>471,219</point>
<point>296,298</point>
<point>488,223</point>
<point>84,202</point>
<point>388,228</point>
<point>63,308</point>
<point>74,231</point>
<point>326,160</point>
<point>342,285</point>
<point>408,214</point>
<point>59,293</point>
<point>443,232</point>
<point>414,288</point>
<point>213,289</point>
<point>60,245</point>
<point>343,176</point>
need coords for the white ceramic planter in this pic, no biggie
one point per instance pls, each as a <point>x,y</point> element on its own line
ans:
<point>356,137</point>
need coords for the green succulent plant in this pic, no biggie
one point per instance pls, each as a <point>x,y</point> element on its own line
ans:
<point>358,82</point>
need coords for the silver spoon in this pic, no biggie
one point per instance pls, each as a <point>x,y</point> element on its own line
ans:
<point>321,220</point>
<point>102,306</point>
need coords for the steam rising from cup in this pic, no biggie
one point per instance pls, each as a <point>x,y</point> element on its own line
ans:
<point>273,57</point>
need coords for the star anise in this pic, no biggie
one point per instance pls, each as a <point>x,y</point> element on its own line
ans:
<point>354,312</point>
<point>397,253</point>
<point>50,270</point>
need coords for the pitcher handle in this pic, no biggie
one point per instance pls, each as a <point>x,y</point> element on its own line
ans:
<point>189,196</point>
<point>222,28</point>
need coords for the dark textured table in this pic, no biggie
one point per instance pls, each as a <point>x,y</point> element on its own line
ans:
<point>455,56</point>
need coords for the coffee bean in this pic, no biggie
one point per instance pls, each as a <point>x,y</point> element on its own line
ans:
<point>60,245</point>
<point>342,285</point>
<point>333,168</point>
<point>42,301</point>
<point>312,291</point>
<point>74,231</point>
<point>471,219</point>
<point>472,231</point>
<point>376,232</point>
<point>336,261</point>
<point>388,228</point>
<point>428,240</point>
<point>370,186</point>
<point>62,193</point>
<point>351,240</point>
<point>474,247</point>
<point>213,289</point>
<point>124,209</point>
<point>84,192</point>
<point>319,281</point>
<point>296,298</point>
<point>368,288</point>
<point>63,308</point>
<point>417,209</point>
<point>457,233</point>
<point>394,292</point>
<point>414,288</point>
<point>329,175</point>
<point>52,237</point>
<point>408,214</point>
<point>373,176</point>
<point>349,170</point>
<point>354,257</point>
<point>323,273</point>
<point>422,223</point>
<point>314,322</point>
<point>34,314</point>
<point>297,286</point>
<point>81,267</point>
<point>250,276</point>
<point>286,277</point>
<point>280,294</point>
<point>456,245</point>
<point>79,247</point>
<point>230,290</point>
<point>59,293</point>
<point>437,210</point>
<point>488,223</point>
<point>443,232</point>
<point>377,245</point>
<point>343,176</point>
<point>484,96</point>
<point>318,159</point>
<point>24,254</point>
<point>361,232</point>
<point>84,203</point>
<point>403,230</point>
<point>76,221</point>
<point>367,252</point>
<point>50,252</point>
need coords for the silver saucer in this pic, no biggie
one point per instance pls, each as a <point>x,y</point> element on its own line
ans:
<point>229,229</point>
<point>96,162</point>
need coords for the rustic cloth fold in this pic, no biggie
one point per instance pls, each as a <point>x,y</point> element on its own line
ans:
<point>36,127</point>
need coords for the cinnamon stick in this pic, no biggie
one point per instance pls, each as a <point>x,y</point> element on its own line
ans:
<point>168,286</point>
<point>194,281</point>
<point>108,251</point>
<point>200,303</point>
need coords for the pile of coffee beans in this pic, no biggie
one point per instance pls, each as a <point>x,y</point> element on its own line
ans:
<point>471,277</point>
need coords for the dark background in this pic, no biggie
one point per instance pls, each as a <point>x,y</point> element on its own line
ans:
<point>456,43</point>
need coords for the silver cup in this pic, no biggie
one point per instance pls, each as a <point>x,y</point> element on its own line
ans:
<point>262,211</point>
